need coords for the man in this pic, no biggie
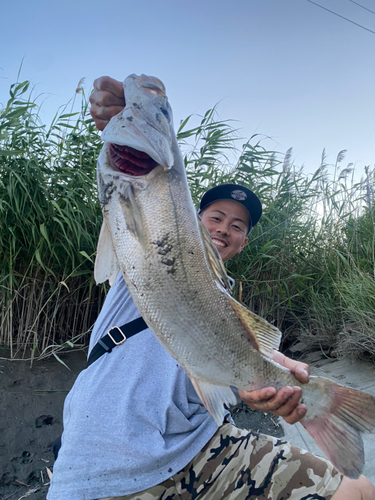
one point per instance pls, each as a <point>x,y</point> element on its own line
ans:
<point>134,428</point>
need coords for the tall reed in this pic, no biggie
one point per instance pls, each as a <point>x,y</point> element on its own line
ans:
<point>309,267</point>
<point>49,221</point>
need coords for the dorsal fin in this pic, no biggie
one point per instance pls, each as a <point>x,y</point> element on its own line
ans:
<point>213,258</point>
<point>264,336</point>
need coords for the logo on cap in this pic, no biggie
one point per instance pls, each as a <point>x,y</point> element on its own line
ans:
<point>238,195</point>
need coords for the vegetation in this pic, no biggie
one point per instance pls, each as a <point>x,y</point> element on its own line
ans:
<point>309,267</point>
<point>49,222</point>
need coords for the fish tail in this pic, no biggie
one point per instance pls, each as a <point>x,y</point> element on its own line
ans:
<point>336,421</point>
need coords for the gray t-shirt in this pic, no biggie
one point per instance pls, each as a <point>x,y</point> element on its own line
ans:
<point>131,420</point>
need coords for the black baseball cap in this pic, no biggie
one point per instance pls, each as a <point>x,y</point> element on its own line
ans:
<point>237,193</point>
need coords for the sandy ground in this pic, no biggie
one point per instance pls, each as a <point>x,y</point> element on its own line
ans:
<point>31,402</point>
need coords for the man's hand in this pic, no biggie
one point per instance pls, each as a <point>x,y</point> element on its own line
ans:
<point>284,403</point>
<point>107,100</point>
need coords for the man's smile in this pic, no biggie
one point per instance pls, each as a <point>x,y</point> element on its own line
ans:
<point>218,242</point>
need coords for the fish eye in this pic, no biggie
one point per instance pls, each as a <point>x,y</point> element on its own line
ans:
<point>165,112</point>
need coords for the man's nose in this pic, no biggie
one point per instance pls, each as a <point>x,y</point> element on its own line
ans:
<point>223,228</point>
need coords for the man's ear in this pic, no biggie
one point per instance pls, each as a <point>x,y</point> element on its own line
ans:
<point>243,245</point>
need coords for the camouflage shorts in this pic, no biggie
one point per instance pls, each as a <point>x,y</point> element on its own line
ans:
<point>240,465</point>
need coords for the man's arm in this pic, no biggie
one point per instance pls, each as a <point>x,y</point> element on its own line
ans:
<point>284,403</point>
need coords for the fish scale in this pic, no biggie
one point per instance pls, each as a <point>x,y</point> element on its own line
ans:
<point>177,280</point>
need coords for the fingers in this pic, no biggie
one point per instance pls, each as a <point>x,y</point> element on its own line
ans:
<point>107,100</point>
<point>284,403</point>
<point>102,115</point>
<point>301,371</point>
<point>281,403</point>
<point>108,84</point>
<point>260,399</point>
<point>296,415</point>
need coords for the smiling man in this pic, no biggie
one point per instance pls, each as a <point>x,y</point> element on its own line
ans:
<point>229,212</point>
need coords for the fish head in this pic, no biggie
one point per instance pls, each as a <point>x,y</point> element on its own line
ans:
<point>141,137</point>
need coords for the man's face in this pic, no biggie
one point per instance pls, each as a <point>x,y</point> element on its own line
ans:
<point>227,222</point>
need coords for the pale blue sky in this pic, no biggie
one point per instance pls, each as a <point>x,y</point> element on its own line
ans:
<point>282,68</point>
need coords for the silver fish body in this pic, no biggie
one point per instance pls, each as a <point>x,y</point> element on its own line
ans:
<point>176,278</point>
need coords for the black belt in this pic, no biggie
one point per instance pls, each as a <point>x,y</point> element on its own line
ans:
<point>116,336</point>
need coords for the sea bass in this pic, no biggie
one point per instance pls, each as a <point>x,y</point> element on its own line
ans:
<point>152,233</point>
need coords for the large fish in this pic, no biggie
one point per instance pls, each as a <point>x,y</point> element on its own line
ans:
<point>177,280</point>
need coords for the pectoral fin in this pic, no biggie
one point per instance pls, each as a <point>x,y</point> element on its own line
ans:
<point>132,215</point>
<point>214,397</point>
<point>264,336</point>
<point>106,265</point>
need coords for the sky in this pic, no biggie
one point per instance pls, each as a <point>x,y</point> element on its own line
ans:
<point>285,69</point>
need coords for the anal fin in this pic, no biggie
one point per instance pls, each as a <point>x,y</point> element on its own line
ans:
<point>214,397</point>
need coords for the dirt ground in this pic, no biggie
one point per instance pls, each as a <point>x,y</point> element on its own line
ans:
<point>31,402</point>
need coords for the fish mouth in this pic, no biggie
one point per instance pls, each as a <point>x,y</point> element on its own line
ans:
<point>131,161</point>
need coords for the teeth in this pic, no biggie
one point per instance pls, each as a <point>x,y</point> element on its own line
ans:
<point>219,243</point>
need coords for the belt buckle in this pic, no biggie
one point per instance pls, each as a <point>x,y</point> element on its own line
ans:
<point>113,340</point>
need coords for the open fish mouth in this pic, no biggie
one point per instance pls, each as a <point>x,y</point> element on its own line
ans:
<point>131,161</point>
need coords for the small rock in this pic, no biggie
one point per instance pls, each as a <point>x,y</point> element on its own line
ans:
<point>44,420</point>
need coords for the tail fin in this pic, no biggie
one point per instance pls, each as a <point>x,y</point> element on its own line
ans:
<point>336,422</point>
